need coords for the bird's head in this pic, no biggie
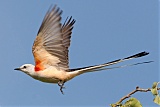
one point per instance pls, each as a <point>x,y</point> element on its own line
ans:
<point>26,68</point>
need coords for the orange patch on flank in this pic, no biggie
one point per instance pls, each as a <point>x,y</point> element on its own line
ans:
<point>38,66</point>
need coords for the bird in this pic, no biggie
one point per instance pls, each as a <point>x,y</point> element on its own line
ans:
<point>50,50</point>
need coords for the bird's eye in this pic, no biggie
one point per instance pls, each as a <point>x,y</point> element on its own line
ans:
<point>24,67</point>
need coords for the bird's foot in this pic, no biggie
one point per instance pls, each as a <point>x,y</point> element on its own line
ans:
<point>61,84</point>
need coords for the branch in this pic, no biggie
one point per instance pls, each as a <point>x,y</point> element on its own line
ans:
<point>134,91</point>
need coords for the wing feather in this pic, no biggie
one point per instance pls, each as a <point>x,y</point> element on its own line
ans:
<point>51,45</point>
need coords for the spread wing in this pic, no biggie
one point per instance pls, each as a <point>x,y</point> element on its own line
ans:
<point>51,45</point>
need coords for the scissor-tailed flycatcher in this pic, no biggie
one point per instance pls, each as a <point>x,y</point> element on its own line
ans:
<point>50,51</point>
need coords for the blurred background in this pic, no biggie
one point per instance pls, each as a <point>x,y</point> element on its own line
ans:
<point>105,30</point>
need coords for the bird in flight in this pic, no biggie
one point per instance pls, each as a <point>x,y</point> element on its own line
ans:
<point>50,51</point>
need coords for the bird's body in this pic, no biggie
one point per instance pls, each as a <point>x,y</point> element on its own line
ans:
<point>54,75</point>
<point>50,51</point>
<point>50,75</point>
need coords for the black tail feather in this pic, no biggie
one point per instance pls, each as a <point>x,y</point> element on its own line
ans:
<point>96,67</point>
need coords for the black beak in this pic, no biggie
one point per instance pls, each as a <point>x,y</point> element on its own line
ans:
<point>17,69</point>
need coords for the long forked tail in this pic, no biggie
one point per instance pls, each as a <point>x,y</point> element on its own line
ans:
<point>101,66</point>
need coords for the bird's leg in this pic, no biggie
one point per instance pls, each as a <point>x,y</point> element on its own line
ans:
<point>61,84</point>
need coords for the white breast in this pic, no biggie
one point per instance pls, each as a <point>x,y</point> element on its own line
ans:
<point>52,75</point>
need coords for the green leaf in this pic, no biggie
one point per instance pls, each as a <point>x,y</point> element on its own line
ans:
<point>157,100</point>
<point>132,102</point>
<point>154,88</point>
<point>154,85</point>
<point>154,91</point>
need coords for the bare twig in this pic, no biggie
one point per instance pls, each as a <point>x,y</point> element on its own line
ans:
<point>134,91</point>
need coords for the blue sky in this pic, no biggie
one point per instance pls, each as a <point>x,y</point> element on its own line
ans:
<point>105,30</point>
